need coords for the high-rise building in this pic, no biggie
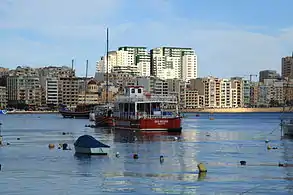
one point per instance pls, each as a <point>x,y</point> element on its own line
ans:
<point>51,91</point>
<point>268,74</point>
<point>133,60</point>
<point>287,67</point>
<point>173,63</point>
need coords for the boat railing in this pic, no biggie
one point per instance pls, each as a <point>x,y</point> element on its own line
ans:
<point>139,115</point>
<point>169,99</point>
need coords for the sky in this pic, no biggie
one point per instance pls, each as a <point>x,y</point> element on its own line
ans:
<point>231,38</point>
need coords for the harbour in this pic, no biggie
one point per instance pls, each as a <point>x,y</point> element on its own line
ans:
<point>220,144</point>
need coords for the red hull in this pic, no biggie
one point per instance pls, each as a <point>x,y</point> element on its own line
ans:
<point>103,121</point>
<point>155,124</point>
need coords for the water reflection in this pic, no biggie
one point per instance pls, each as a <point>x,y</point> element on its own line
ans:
<point>124,136</point>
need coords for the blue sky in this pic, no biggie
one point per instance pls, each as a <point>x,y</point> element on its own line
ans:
<point>231,38</point>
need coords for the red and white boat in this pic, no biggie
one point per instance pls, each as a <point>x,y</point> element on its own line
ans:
<point>138,110</point>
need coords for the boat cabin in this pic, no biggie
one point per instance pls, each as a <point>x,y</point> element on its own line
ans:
<point>137,103</point>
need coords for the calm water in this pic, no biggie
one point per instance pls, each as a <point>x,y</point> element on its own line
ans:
<point>29,167</point>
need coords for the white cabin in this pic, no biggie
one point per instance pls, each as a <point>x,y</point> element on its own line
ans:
<point>134,91</point>
<point>136,103</point>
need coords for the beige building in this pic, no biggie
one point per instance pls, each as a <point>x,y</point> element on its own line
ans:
<point>3,97</point>
<point>218,93</point>
<point>91,96</point>
<point>68,87</point>
<point>24,89</point>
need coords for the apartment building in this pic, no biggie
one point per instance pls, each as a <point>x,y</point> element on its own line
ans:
<point>24,89</point>
<point>153,85</point>
<point>3,97</point>
<point>173,63</point>
<point>68,87</point>
<point>268,74</point>
<point>218,93</point>
<point>52,91</point>
<point>134,60</point>
<point>287,67</point>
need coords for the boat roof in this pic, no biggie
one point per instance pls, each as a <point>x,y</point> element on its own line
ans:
<point>145,99</point>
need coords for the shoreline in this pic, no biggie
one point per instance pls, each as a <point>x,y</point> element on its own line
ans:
<point>208,110</point>
<point>239,110</point>
<point>32,112</point>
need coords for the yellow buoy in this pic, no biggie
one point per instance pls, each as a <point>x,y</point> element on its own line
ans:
<point>1,141</point>
<point>51,146</point>
<point>201,168</point>
<point>269,147</point>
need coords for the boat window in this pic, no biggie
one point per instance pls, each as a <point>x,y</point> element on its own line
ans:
<point>138,90</point>
<point>132,90</point>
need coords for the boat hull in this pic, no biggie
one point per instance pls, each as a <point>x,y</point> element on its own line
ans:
<point>92,151</point>
<point>71,114</point>
<point>154,124</point>
<point>288,130</point>
<point>103,121</point>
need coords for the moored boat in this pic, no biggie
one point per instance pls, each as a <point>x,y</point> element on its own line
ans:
<point>87,144</point>
<point>81,112</point>
<point>104,115</point>
<point>139,110</point>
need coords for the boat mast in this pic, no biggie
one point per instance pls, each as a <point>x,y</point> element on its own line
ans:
<point>71,79</point>
<point>107,66</point>
<point>85,80</point>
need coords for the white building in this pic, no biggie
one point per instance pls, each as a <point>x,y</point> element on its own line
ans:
<point>173,63</point>
<point>126,58</point>
<point>52,91</point>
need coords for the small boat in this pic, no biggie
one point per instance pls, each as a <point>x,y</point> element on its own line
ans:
<point>3,111</point>
<point>139,110</point>
<point>87,144</point>
<point>81,112</point>
<point>104,115</point>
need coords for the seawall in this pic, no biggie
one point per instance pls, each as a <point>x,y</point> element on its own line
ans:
<point>239,110</point>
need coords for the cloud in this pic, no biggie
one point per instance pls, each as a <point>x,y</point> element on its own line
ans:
<point>45,32</point>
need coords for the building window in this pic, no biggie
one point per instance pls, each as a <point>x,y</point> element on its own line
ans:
<point>132,90</point>
<point>138,90</point>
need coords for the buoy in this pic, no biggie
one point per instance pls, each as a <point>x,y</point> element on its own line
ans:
<point>135,156</point>
<point>0,167</point>
<point>269,147</point>
<point>161,159</point>
<point>201,168</point>
<point>281,164</point>
<point>274,148</point>
<point>175,138</point>
<point>117,154</point>
<point>7,143</point>
<point>51,146</point>
<point>267,141</point>
<point>1,140</point>
<point>18,138</point>
<point>63,133</point>
<point>64,146</point>
<point>242,162</point>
